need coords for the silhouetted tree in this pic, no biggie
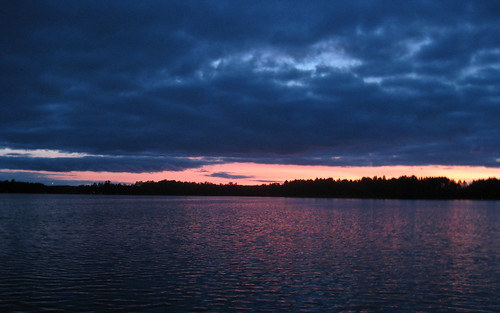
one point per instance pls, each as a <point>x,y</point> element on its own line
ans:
<point>404,187</point>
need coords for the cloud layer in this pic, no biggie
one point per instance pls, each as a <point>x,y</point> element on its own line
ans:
<point>152,86</point>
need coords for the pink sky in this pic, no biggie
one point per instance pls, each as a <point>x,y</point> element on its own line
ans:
<point>265,173</point>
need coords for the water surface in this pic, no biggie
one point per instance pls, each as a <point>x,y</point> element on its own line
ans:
<point>179,254</point>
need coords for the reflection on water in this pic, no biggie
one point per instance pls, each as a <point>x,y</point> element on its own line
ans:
<point>158,254</point>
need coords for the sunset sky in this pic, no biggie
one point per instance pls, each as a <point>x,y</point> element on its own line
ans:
<point>249,92</point>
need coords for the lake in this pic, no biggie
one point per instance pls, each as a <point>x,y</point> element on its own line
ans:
<point>230,254</point>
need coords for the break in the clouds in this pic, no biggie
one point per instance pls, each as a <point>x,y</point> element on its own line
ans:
<point>170,85</point>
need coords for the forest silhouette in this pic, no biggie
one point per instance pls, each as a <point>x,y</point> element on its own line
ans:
<point>404,187</point>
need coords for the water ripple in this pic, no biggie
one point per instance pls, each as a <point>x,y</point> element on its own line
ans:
<point>154,254</point>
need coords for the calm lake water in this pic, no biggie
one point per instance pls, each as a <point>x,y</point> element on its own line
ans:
<point>179,254</point>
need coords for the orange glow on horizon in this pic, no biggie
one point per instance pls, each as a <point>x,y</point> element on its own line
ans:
<point>257,174</point>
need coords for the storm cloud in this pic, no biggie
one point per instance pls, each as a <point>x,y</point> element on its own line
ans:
<point>169,85</point>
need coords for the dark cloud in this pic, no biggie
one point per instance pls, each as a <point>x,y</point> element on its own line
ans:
<point>228,175</point>
<point>131,164</point>
<point>335,83</point>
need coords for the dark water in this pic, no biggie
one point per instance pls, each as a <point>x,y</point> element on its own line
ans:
<point>181,254</point>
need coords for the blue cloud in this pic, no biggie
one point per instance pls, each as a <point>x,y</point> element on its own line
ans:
<point>228,175</point>
<point>342,83</point>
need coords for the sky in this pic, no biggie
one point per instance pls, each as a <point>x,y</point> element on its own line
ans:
<point>248,91</point>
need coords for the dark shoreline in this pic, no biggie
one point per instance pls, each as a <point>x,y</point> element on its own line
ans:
<point>404,187</point>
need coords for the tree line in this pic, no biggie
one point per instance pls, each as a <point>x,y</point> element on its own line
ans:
<point>404,187</point>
